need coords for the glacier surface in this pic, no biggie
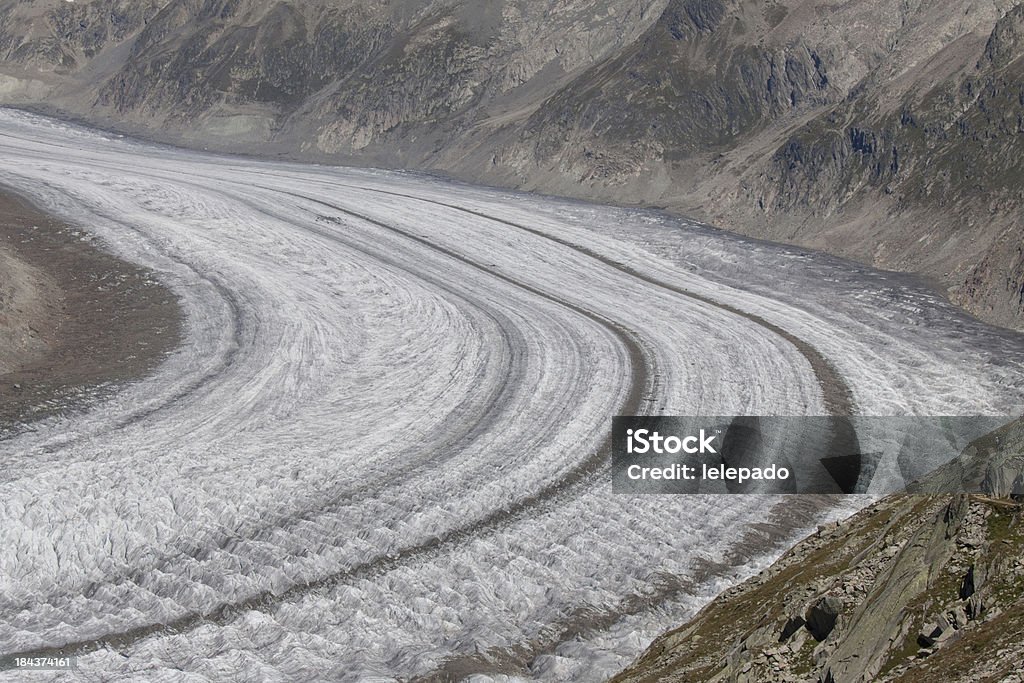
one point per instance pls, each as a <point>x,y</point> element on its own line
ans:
<point>379,452</point>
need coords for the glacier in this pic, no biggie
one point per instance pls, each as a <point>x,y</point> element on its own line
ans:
<point>379,452</point>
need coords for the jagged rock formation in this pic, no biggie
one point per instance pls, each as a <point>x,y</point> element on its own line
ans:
<point>915,587</point>
<point>884,130</point>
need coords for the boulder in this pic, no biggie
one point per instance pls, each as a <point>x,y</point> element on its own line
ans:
<point>821,617</point>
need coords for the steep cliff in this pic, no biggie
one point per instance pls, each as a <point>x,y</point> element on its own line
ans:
<point>324,77</point>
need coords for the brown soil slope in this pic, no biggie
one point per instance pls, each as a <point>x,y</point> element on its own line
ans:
<point>73,318</point>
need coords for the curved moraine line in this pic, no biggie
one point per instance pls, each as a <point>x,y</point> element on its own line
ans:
<point>640,385</point>
<point>837,393</point>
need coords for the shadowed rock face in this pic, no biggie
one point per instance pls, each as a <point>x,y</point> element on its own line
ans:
<point>700,85</point>
<point>881,130</point>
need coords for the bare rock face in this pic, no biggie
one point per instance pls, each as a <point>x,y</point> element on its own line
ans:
<point>882,130</point>
<point>326,77</point>
<point>61,37</point>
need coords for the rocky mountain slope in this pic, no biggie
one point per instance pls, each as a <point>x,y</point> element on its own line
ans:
<point>884,130</point>
<point>913,588</point>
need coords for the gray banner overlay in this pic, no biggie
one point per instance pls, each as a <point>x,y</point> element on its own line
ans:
<point>729,454</point>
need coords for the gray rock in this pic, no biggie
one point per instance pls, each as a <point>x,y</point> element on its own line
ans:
<point>821,617</point>
<point>959,617</point>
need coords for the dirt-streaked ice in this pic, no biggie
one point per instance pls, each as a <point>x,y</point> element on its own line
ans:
<point>328,479</point>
